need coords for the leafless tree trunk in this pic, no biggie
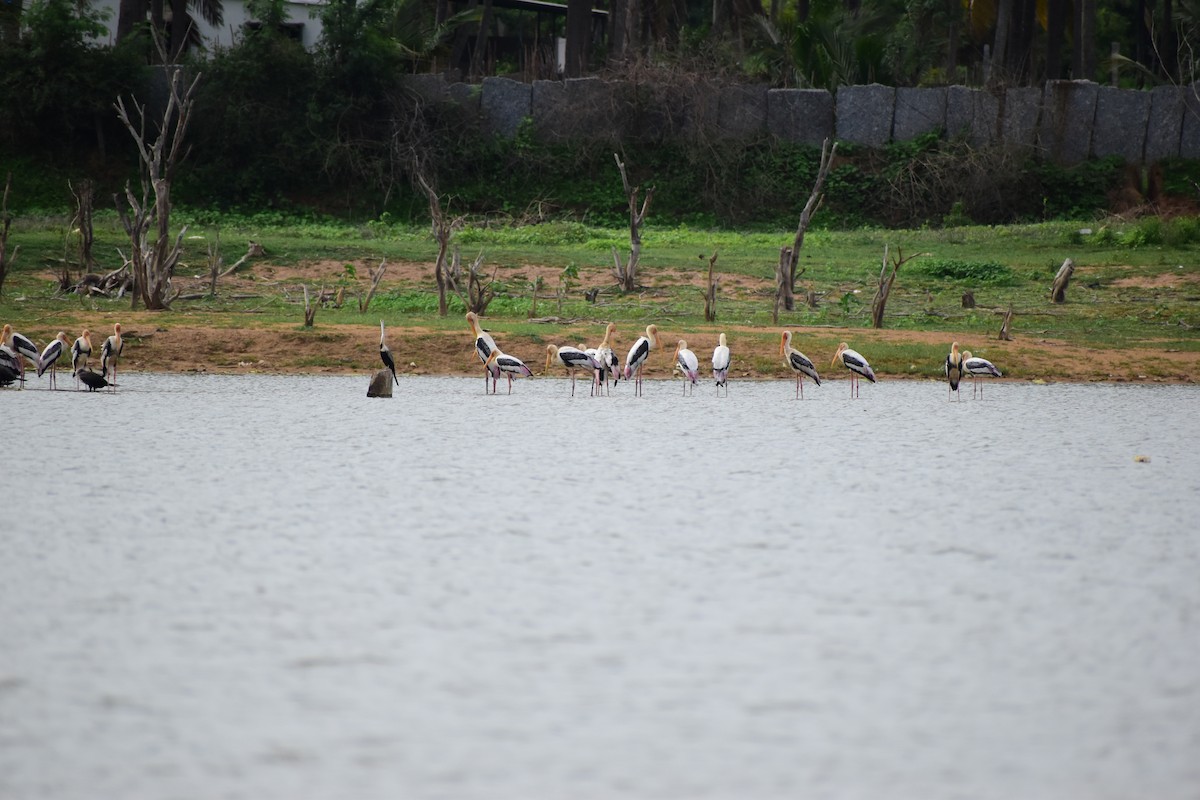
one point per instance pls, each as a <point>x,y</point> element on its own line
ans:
<point>479,294</point>
<point>1005,333</point>
<point>1058,292</point>
<point>443,229</point>
<point>376,277</point>
<point>310,310</point>
<point>215,262</point>
<point>626,274</point>
<point>710,293</point>
<point>147,222</point>
<point>83,222</point>
<point>6,258</point>
<point>786,276</point>
<point>784,281</point>
<point>886,280</point>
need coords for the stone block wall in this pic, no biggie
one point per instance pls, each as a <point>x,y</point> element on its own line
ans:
<point>1067,121</point>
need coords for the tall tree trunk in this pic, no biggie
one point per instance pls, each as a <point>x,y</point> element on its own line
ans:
<point>1169,49</point>
<point>180,22</point>
<point>132,14</point>
<point>618,32</point>
<point>579,34</point>
<point>1056,29</point>
<point>1004,15</point>
<point>479,56</point>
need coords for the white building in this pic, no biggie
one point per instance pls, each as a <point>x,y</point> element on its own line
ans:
<point>303,21</point>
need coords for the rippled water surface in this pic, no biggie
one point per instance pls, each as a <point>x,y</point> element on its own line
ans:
<point>273,587</point>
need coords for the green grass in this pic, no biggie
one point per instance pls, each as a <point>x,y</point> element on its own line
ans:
<point>1116,299</point>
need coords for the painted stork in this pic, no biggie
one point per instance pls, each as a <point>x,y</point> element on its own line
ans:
<point>110,351</point>
<point>977,368</point>
<point>572,358</point>
<point>92,380</point>
<point>385,355</point>
<point>22,347</point>
<point>509,365</point>
<point>688,363</point>
<point>10,367</point>
<point>720,363</point>
<point>81,353</point>
<point>484,345</point>
<point>47,361</point>
<point>607,358</point>
<point>954,369</point>
<point>858,366</point>
<point>798,363</point>
<point>638,355</point>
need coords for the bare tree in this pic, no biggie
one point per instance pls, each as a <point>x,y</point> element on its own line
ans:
<point>886,280</point>
<point>147,220</point>
<point>626,274</point>
<point>479,294</point>
<point>1005,325</point>
<point>789,258</point>
<point>1058,292</point>
<point>443,229</point>
<point>83,222</point>
<point>364,303</point>
<point>710,291</point>
<point>6,258</point>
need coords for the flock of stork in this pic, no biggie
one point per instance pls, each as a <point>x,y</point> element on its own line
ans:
<point>602,364</point>
<point>18,349</point>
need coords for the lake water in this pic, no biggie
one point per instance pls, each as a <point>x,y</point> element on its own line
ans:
<point>273,587</point>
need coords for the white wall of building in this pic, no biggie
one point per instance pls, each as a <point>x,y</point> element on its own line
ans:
<point>301,12</point>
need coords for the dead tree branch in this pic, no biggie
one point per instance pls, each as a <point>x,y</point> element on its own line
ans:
<point>886,281</point>
<point>310,309</point>
<point>6,258</point>
<point>82,223</point>
<point>626,274</point>
<point>1005,332</point>
<point>365,302</point>
<point>786,274</point>
<point>147,221</point>
<point>710,292</point>
<point>443,229</point>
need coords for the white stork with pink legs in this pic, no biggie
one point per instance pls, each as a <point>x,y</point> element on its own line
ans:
<point>978,368</point>
<point>687,362</point>
<point>954,369</point>
<point>47,360</point>
<point>798,363</point>
<point>638,355</point>
<point>510,366</point>
<point>573,359</point>
<point>858,366</point>
<point>720,364</point>
<point>484,345</point>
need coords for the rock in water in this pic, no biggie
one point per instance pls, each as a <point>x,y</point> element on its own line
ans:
<point>381,384</point>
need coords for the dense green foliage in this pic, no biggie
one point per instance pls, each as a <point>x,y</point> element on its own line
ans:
<point>279,127</point>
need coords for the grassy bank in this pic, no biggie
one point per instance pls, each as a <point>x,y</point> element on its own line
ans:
<point>1133,306</point>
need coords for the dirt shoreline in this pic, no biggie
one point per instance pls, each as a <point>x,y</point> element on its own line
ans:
<point>353,349</point>
<point>177,343</point>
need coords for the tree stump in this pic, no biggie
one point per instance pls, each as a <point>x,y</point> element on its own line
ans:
<point>1005,335</point>
<point>1058,293</point>
<point>968,299</point>
<point>381,384</point>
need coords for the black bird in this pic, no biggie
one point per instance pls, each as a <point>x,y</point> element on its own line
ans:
<point>385,355</point>
<point>92,380</point>
<point>8,375</point>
